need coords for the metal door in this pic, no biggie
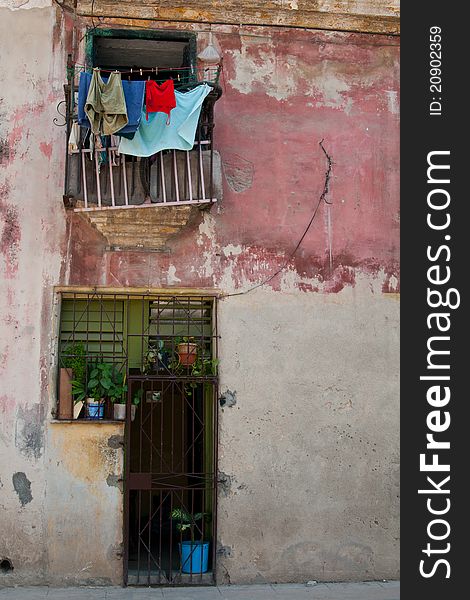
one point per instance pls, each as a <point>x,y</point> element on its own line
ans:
<point>170,494</point>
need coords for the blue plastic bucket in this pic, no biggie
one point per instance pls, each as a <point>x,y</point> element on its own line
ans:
<point>194,557</point>
<point>95,410</point>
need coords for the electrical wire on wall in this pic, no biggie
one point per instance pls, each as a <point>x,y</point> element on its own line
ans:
<point>322,198</point>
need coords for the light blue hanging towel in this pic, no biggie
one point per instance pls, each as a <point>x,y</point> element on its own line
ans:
<point>155,135</point>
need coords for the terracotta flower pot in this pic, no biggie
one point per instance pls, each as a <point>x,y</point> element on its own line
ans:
<point>187,353</point>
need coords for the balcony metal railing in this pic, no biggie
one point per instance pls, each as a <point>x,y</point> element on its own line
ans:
<point>172,177</point>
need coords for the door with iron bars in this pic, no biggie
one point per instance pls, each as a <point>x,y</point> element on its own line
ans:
<point>171,427</point>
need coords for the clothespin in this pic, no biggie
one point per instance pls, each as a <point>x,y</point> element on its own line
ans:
<point>141,72</point>
<point>178,76</point>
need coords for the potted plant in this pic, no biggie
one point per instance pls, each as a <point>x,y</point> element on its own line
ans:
<point>117,394</point>
<point>156,357</point>
<point>136,399</point>
<point>98,388</point>
<point>186,350</point>
<point>201,367</point>
<point>79,393</point>
<point>194,553</point>
<point>73,361</point>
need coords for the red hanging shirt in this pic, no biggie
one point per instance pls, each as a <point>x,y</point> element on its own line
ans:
<point>159,98</point>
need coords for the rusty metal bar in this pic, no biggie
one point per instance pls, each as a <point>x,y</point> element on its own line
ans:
<point>162,172</point>
<point>110,163</point>
<point>124,176</point>
<point>172,472</point>
<point>85,187</point>
<point>175,172</point>
<point>190,181</point>
<point>97,171</point>
<point>201,170</point>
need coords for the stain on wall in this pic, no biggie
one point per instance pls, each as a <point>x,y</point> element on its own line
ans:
<point>10,236</point>
<point>22,486</point>
<point>238,172</point>
<point>29,431</point>
<point>84,509</point>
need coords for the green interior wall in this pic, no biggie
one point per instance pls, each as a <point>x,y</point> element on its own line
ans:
<point>99,324</point>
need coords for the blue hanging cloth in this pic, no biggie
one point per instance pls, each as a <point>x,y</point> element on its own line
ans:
<point>155,134</point>
<point>134,92</point>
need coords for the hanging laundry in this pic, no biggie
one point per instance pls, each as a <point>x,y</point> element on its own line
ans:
<point>105,105</point>
<point>159,98</point>
<point>74,138</point>
<point>134,92</point>
<point>155,135</point>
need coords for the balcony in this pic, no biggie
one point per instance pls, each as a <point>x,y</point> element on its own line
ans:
<point>141,202</point>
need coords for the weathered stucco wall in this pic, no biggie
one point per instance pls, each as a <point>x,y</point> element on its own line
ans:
<point>309,450</point>
<point>32,230</point>
<point>84,503</point>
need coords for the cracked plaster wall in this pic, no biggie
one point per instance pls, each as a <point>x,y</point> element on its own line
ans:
<point>310,450</point>
<point>32,228</point>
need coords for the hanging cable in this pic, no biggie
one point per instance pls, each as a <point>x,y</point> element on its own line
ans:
<point>326,189</point>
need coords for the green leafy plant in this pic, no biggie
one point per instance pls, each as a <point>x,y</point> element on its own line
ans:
<point>137,397</point>
<point>203,366</point>
<point>184,340</point>
<point>74,357</point>
<point>155,356</point>
<point>186,521</point>
<point>118,388</point>
<point>100,381</point>
<point>79,390</point>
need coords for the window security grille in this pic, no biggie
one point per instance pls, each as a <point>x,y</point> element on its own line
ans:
<point>167,348</point>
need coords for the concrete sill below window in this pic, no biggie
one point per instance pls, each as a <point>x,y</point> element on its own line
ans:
<point>88,421</point>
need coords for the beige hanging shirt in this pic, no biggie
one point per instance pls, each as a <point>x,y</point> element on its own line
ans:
<point>105,104</point>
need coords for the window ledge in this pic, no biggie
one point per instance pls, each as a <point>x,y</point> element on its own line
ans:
<point>89,421</point>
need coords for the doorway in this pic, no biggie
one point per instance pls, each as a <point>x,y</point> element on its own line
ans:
<point>170,457</point>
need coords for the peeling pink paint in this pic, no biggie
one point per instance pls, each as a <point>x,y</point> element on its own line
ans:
<point>46,149</point>
<point>7,404</point>
<point>331,87</point>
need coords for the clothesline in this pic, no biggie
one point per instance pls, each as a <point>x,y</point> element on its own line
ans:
<point>155,70</point>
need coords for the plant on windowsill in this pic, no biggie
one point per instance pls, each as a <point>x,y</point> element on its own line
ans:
<point>117,394</point>
<point>136,400</point>
<point>156,358</point>
<point>203,366</point>
<point>73,367</point>
<point>99,383</point>
<point>186,348</point>
<point>194,553</point>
